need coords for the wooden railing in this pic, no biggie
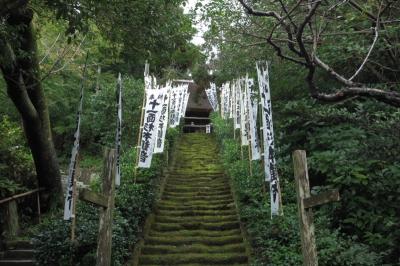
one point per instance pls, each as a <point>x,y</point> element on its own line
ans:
<point>193,126</point>
<point>10,211</point>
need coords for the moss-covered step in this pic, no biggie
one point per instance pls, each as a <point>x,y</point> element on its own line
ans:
<point>179,259</point>
<point>195,221</point>
<point>204,219</point>
<point>195,248</point>
<point>195,226</point>
<point>177,206</point>
<point>193,233</point>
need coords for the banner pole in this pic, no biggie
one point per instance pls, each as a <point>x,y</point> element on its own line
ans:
<point>139,136</point>
<point>259,117</point>
<point>73,222</point>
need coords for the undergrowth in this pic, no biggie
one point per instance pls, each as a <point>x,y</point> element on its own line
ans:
<point>133,203</point>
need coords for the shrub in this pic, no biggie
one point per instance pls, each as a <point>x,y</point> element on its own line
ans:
<point>133,203</point>
<point>277,241</point>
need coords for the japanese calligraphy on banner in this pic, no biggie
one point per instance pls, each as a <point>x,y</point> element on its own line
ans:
<point>163,121</point>
<point>185,102</point>
<point>213,88</point>
<point>152,112</point>
<point>226,91</point>
<point>119,132</point>
<point>223,98</point>
<point>243,113</point>
<point>172,106</point>
<point>231,98</point>
<point>178,102</point>
<point>236,121</point>
<point>178,109</point>
<point>252,105</point>
<point>270,168</point>
<point>69,199</point>
<point>212,97</point>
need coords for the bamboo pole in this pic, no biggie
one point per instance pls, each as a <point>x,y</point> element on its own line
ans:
<point>262,161</point>
<point>74,190</point>
<point>73,218</point>
<point>139,136</point>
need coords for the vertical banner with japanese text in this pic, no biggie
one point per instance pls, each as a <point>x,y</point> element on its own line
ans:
<point>172,106</point>
<point>270,167</point>
<point>237,104</point>
<point>119,132</point>
<point>243,113</point>
<point>69,199</point>
<point>152,112</point>
<point>163,121</point>
<point>252,105</point>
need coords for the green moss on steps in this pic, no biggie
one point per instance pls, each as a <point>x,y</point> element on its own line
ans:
<point>195,221</point>
<point>176,259</point>
<point>195,248</point>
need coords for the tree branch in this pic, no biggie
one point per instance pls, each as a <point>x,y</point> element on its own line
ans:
<point>333,73</point>
<point>259,13</point>
<point>390,97</point>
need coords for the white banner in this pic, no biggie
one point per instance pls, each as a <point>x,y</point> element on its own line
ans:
<point>69,199</point>
<point>214,93</point>
<point>243,114</point>
<point>119,131</point>
<point>270,167</point>
<point>172,106</point>
<point>226,100</point>
<point>185,103</point>
<point>231,98</point>
<point>222,96</point>
<point>179,98</point>
<point>152,109</point>
<point>237,104</point>
<point>252,105</point>
<point>163,121</point>
<point>212,97</point>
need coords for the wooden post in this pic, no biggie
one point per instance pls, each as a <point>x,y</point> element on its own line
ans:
<point>305,203</point>
<point>306,219</point>
<point>307,233</point>
<point>104,242</point>
<point>12,228</point>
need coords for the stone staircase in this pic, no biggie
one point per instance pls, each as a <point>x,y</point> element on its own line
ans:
<point>17,253</point>
<point>196,222</point>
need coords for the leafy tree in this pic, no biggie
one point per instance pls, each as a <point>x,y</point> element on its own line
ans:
<point>120,35</point>
<point>20,68</point>
<point>353,45</point>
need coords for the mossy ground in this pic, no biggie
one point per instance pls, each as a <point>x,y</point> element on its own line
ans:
<point>195,221</point>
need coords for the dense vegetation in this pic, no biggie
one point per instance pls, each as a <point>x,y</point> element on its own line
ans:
<point>352,144</point>
<point>134,201</point>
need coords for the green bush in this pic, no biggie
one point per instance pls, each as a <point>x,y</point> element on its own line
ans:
<point>277,241</point>
<point>133,202</point>
<point>16,163</point>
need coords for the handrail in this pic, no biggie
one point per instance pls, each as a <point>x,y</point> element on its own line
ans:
<point>199,126</point>
<point>14,197</point>
<point>197,118</point>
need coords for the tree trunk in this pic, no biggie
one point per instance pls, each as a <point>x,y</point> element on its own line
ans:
<point>21,73</point>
